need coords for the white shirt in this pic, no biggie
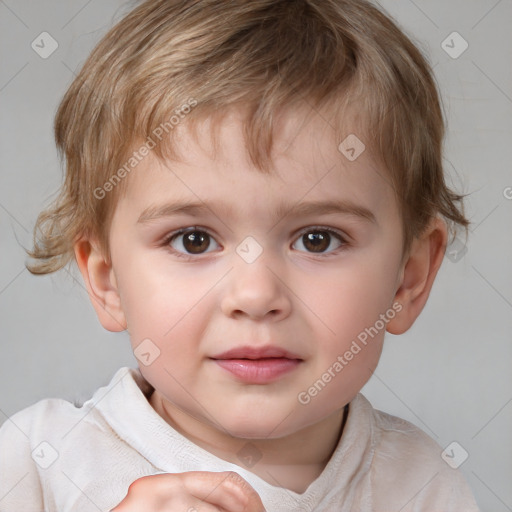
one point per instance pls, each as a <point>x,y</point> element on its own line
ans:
<point>56,457</point>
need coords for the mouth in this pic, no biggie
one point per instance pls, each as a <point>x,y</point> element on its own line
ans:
<point>257,365</point>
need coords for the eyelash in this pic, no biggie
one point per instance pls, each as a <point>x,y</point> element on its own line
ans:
<point>311,229</point>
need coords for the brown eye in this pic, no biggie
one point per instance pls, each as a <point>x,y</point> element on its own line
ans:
<point>196,242</point>
<point>319,241</point>
<point>316,242</point>
<point>191,242</point>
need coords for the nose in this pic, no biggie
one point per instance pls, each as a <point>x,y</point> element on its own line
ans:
<point>256,290</point>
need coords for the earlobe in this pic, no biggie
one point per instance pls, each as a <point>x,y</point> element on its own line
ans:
<point>418,274</point>
<point>101,285</point>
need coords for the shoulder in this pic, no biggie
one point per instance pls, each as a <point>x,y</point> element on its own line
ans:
<point>53,438</point>
<point>28,427</point>
<point>400,440</point>
<point>59,420</point>
<point>408,471</point>
<point>28,438</point>
<point>26,451</point>
<point>38,415</point>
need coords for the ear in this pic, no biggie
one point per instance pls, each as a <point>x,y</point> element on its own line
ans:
<point>101,284</point>
<point>418,274</point>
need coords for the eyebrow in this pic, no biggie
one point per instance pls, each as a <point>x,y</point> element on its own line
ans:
<point>197,209</point>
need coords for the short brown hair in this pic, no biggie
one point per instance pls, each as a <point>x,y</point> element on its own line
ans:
<point>262,55</point>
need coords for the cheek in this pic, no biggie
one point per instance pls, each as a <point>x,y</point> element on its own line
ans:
<point>173,313</point>
<point>349,305</point>
<point>176,372</point>
<point>157,298</point>
<point>350,299</point>
<point>175,333</point>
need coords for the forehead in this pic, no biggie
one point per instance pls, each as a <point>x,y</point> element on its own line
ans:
<point>310,161</point>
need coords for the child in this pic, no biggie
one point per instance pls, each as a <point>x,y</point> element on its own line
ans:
<point>254,191</point>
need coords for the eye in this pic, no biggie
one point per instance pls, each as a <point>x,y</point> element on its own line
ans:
<point>320,240</point>
<point>191,241</point>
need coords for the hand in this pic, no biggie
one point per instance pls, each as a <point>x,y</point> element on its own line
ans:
<point>194,491</point>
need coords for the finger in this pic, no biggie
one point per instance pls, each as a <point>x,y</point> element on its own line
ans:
<point>183,504</point>
<point>225,489</point>
<point>149,502</point>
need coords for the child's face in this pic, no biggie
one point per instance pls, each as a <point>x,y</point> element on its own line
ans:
<point>313,305</point>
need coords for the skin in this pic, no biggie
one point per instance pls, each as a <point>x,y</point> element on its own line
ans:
<point>195,491</point>
<point>310,303</point>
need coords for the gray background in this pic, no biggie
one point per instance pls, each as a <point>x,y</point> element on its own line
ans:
<point>450,374</point>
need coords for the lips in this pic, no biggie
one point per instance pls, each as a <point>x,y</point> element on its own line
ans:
<point>253,365</point>
<point>249,352</point>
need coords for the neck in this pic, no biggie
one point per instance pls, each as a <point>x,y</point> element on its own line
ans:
<point>292,462</point>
